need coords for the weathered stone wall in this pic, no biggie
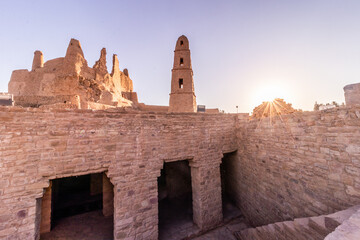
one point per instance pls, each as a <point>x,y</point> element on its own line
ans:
<point>38,145</point>
<point>153,108</point>
<point>304,164</point>
<point>37,101</point>
<point>71,75</point>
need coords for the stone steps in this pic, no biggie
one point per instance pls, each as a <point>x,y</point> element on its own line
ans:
<point>348,230</point>
<point>312,228</point>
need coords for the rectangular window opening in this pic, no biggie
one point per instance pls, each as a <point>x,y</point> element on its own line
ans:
<point>181,83</point>
<point>181,62</point>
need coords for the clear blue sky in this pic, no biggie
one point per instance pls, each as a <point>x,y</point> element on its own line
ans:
<point>240,49</point>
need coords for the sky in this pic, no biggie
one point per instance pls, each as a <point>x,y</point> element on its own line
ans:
<point>243,52</point>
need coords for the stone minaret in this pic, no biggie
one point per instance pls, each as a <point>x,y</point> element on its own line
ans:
<point>38,61</point>
<point>182,95</point>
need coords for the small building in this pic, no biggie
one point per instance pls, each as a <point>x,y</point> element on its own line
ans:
<point>324,107</point>
<point>201,108</point>
<point>6,99</point>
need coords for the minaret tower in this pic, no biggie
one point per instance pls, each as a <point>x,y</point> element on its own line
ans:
<point>182,95</point>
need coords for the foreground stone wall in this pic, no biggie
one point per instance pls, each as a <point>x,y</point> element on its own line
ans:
<point>37,145</point>
<point>304,164</point>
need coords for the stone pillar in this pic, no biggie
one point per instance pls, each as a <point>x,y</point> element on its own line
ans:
<point>45,225</point>
<point>206,190</point>
<point>37,218</point>
<point>100,65</point>
<point>38,61</point>
<point>108,196</point>
<point>136,208</point>
<point>116,74</point>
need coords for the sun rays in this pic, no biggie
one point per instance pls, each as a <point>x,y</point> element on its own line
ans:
<point>273,108</point>
<point>271,112</point>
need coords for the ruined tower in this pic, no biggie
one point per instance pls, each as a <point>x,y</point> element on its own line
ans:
<point>182,95</point>
<point>352,94</point>
<point>38,61</point>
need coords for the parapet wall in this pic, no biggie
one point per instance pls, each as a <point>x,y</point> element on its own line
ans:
<point>37,145</point>
<point>299,165</point>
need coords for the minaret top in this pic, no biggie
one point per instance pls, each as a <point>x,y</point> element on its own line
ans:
<point>182,43</point>
<point>74,48</point>
<point>38,61</point>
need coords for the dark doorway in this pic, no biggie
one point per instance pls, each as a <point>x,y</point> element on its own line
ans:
<point>228,186</point>
<point>76,195</point>
<point>81,208</point>
<point>175,200</point>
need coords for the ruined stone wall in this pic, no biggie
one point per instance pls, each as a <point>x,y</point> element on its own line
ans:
<point>304,164</point>
<point>71,75</point>
<point>37,101</point>
<point>38,145</point>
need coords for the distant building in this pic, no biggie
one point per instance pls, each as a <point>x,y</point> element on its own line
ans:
<point>201,108</point>
<point>6,99</point>
<point>324,107</point>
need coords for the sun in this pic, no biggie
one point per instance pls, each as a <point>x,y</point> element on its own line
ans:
<point>269,93</point>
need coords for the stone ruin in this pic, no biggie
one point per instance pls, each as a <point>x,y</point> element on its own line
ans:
<point>69,82</point>
<point>75,160</point>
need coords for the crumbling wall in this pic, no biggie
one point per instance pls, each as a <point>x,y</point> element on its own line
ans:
<point>298,165</point>
<point>38,145</point>
<point>71,75</point>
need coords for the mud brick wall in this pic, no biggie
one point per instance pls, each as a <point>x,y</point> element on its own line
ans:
<point>37,145</point>
<point>299,165</point>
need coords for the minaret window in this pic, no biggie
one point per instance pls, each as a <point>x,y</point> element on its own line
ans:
<point>181,62</point>
<point>181,83</point>
<point>181,42</point>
